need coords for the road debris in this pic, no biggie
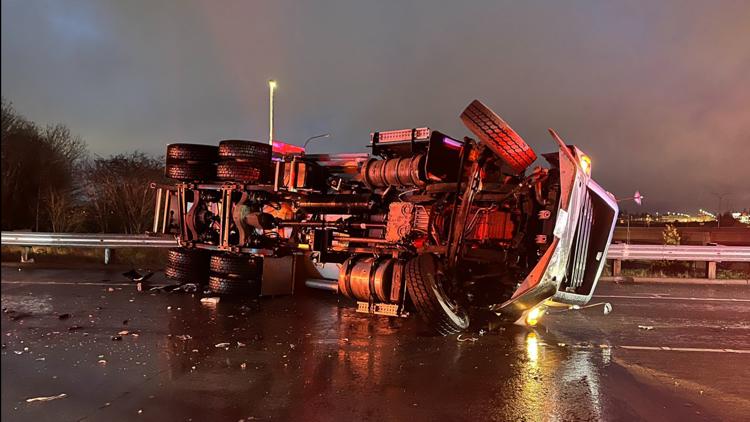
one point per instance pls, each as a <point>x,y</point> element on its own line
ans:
<point>186,288</point>
<point>646,327</point>
<point>135,276</point>
<point>116,338</point>
<point>461,340</point>
<point>222,345</point>
<point>46,398</point>
<point>210,301</point>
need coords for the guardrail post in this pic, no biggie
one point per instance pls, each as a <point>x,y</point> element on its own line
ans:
<point>25,254</point>
<point>711,270</point>
<point>107,255</point>
<point>617,267</point>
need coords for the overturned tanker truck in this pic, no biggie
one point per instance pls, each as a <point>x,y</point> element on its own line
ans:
<point>425,223</point>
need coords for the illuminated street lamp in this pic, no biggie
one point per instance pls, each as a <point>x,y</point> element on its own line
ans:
<point>271,90</point>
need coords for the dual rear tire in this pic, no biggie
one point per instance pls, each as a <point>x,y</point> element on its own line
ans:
<point>191,162</point>
<point>187,266</point>
<point>244,161</point>
<point>232,160</point>
<point>225,274</point>
<point>232,274</point>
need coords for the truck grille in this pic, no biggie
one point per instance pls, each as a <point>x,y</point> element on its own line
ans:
<point>580,247</point>
<point>587,252</point>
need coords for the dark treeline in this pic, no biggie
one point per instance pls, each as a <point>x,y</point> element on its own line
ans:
<point>50,182</point>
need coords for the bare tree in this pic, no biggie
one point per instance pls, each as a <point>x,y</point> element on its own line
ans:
<point>64,210</point>
<point>35,162</point>
<point>118,191</point>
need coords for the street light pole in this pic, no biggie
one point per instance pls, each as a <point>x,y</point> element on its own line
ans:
<point>325,135</point>
<point>271,90</point>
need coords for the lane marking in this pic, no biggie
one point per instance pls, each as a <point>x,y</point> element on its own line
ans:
<point>684,349</point>
<point>69,283</point>
<point>696,299</point>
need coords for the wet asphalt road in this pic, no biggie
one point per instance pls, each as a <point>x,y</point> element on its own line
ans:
<point>313,358</point>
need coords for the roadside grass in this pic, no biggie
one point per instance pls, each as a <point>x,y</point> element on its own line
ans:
<point>155,257</point>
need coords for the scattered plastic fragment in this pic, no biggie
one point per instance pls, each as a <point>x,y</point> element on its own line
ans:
<point>187,288</point>
<point>646,327</point>
<point>102,362</point>
<point>123,333</point>
<point>240,344</point>
<point>116,338</point>
<point>471,339</point>
<point>184,337</point>
<point>220,345</point>
<point>46,398</point>
<point>210,300</point>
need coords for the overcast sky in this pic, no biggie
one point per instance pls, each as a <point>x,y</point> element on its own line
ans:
<point>657,92</point>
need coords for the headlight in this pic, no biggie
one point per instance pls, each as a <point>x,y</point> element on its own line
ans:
<point>585,162</point>
<point>534,315</point>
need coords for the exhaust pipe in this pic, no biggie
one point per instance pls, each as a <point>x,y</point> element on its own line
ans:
<point>323,284</point>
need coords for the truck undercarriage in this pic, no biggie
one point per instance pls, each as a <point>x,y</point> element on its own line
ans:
<point>424,223</point>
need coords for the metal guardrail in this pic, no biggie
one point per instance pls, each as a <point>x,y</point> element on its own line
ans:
<point>108,242</point>
<point>87,240</point>
<point>619,252</point>
<point>626,252</point>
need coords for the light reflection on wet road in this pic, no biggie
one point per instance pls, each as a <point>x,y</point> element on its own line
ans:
<point>313,358</point>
